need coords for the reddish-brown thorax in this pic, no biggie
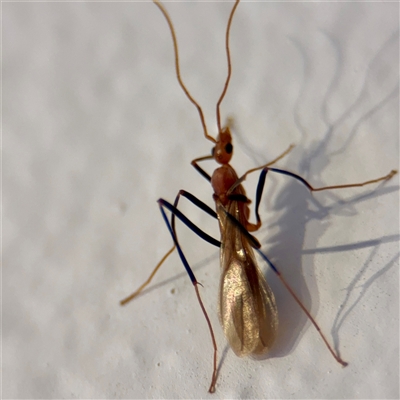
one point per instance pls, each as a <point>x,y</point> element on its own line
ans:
<point>225,176</point>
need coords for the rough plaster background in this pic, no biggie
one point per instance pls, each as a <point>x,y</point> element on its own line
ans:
<point>96,129</point>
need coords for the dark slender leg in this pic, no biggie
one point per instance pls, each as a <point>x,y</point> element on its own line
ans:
<point>263,174</point>
<point>201,170</point>
<point>195,201</point>
<point>303,181</point>
<point>175,212</point>
<point>163,203</point>
<point>171,227</point>
<point>257,246</point>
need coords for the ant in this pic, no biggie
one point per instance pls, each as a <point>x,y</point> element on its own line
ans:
<point>247,308</point>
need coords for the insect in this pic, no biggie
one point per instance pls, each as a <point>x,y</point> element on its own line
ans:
<point>247,308</point>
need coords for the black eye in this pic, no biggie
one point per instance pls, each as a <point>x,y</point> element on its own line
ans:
<point>212,151</point>
<point>229,148</point>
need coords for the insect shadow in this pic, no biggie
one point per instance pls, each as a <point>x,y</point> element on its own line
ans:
<point>297,207</point>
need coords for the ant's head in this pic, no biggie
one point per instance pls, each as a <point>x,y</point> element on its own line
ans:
<point>223,150</point>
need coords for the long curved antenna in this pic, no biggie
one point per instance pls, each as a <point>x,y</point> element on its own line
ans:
<point>228,56</point>
<point>178,72</point>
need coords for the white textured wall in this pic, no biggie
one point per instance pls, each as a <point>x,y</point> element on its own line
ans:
<point>96,129</point>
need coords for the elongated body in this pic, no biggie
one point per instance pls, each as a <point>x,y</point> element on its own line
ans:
<point>247,309</point>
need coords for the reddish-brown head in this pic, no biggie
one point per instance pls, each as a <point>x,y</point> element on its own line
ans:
<point>223,149</point>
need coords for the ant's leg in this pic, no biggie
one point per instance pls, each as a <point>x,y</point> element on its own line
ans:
<point>202,234</point>
<point>302,306</point>
<point>244,176</point>
<point>195,201</point>
<point>201,170</point>
<point>302,180</point>
<point>260,187</point>
<point>163,203</point>
<point>257,246</point>
<point>261,183</point>
<point>171,227</point>
<point>139,290</point>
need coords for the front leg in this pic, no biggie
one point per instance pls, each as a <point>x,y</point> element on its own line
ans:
<point>201,170</point>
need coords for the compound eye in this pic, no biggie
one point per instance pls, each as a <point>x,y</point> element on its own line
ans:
<point>213,151</point>
<point>228,148</point>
